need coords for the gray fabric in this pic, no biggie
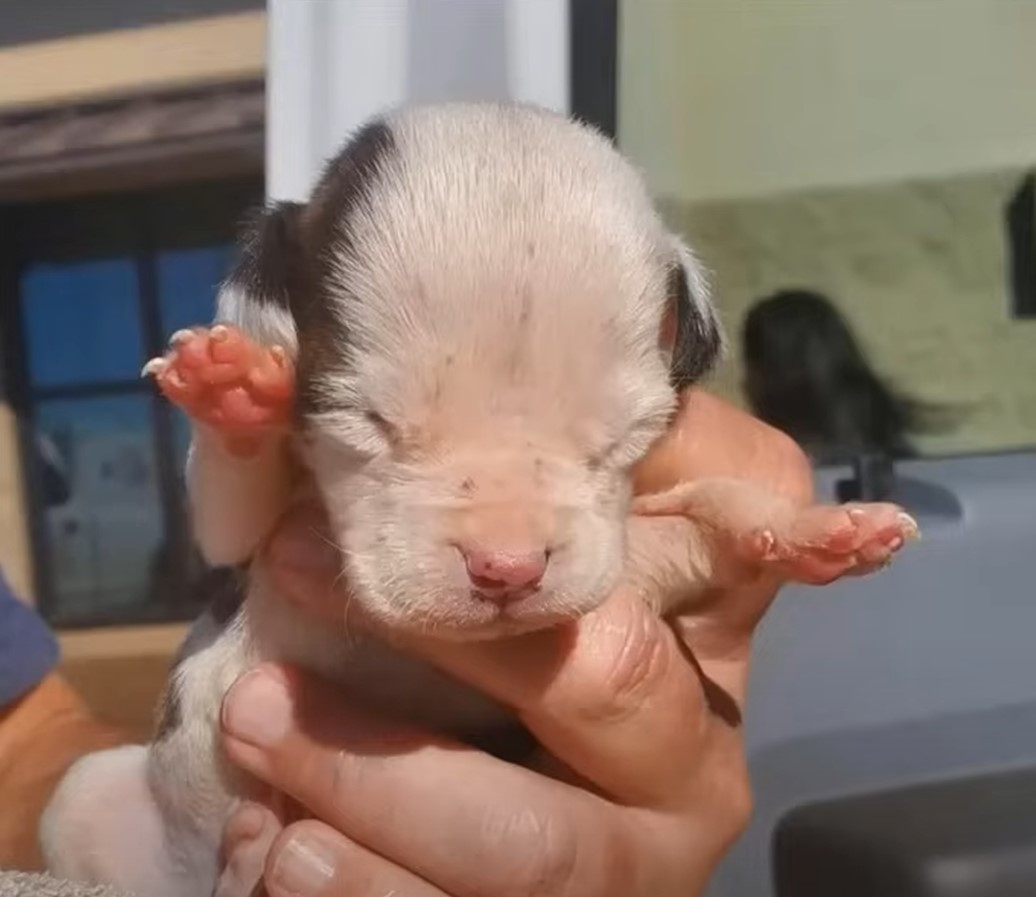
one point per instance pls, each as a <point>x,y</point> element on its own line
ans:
<point>31,884</point>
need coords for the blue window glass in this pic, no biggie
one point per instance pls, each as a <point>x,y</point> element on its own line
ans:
<point>82,322</point>
<point>188,281</point>
<point>105,281</point>
<point>106,525</point>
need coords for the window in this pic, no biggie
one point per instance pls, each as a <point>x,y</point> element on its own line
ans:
<point>98,286</point>
<point>894,186</point>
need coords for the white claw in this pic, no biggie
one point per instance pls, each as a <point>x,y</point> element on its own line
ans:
<point>181,336</point>
<point>911,530</point>
<point>219,333</point>
<point>154,367</point>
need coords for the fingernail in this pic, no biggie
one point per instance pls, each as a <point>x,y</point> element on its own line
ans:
<point>257,709</point>
<point>304,866</point>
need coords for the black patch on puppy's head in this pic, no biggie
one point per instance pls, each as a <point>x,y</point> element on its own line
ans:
<point>344,189</point>
<point>290,253</point>
<point>270,269</point>
<point>698,340</point>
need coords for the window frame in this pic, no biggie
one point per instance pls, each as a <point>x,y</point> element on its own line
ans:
<point>156,219</point>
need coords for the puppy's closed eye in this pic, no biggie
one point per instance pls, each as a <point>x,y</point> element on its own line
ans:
<point>389,431</point>
<point>362,431</point>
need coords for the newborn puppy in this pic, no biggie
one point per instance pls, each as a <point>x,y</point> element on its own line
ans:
<point>463,342</point>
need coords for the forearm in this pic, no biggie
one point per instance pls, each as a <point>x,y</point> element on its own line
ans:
<point>41,735</point>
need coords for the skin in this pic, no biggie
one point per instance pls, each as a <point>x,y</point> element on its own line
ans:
<point>647,787</point>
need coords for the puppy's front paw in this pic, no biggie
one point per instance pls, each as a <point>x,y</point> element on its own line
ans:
<point>750,531</point>
<point>221,378</point>
<point>820,544</point>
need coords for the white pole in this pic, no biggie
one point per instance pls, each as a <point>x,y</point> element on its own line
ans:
<point>332,64</point>
<point>537,52</point>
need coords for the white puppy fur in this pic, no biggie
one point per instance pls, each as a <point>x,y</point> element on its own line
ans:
<point>477,299</point>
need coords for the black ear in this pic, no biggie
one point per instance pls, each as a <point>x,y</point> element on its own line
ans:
<point>271,254</point>
<point>695,338</point>
<point>263,290</point>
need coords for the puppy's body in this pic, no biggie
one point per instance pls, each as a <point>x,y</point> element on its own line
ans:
<point>485,319</point>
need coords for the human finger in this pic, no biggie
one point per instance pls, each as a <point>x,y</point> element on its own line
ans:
<point>611,695</point>
<point>366,777</point>
<point>709,437</point>
<point>311,859</point>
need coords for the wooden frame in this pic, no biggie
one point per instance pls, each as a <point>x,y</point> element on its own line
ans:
<point>208,50</point>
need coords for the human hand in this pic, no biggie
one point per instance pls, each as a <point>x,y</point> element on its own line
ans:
<point>712,438</point>
<point>647,721</point>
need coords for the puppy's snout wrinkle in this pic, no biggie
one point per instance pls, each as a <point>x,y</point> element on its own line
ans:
<point>504,574</point>
<point>506,545</point>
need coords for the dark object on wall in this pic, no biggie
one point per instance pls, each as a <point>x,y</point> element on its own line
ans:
<point>1021,248</point>
<point>969,837</point>
<point>874,479</point>
<point>594,62</point>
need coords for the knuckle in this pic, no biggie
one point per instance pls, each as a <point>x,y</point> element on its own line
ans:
<point>739,806</point>
<point>732,811</point>
<point>544,851</point>
<point>638,659</point>
<point>796,466</point>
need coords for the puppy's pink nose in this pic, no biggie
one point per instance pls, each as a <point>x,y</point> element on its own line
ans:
<point>506,571</point>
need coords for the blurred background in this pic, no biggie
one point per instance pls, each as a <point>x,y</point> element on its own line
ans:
<point>858,175</point>
<point>131,143</point>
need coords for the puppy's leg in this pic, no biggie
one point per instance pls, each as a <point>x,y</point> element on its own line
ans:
<point>103,826</point>
<point>734,532</point>
<point>238,396</point>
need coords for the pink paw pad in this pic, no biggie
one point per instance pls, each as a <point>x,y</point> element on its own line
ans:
<point>823,543</point>
<point>220,377</point>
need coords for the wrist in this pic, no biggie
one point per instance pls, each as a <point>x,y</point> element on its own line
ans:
<point>240,445</point>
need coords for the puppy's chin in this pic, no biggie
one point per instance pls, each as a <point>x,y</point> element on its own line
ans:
<point>460,615</point>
